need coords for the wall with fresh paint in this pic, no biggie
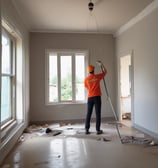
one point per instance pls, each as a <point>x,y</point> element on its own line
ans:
<point>100,47</point>
<point>142,40</point>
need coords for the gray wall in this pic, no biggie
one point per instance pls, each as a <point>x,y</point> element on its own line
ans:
<point>142,39</point>
<point>99,47</point>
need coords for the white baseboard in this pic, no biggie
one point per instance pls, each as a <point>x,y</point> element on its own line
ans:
<point>10,140</point>
<point>146,131</point>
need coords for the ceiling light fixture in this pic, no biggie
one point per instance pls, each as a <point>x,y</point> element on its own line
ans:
<point>92,18</point>
<point>90,5</point>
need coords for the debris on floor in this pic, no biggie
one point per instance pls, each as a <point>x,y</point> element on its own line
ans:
<point>70,128</point>
<point>103,139</point>
<point>48,130</point>
<point>35,128</point>
<point>126,116</point>
<point>152,144</point>
<point>33,131</point>
<point>21,139</point>
<point>53,132</point>
<point>114,123</point>
<point>135,140</point>
<point>75,130</point>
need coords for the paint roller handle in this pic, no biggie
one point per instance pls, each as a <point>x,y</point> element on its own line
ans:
<point>102,66</point>
<point>105,71</point>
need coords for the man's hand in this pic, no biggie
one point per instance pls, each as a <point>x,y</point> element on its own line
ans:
<point>99,62</point>
<point>102,66</point>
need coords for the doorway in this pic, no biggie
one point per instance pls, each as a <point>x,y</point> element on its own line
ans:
<point>126,89</point>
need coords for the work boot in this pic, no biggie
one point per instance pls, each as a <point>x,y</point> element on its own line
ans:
<point>99,132</point>
<point>87,132</point>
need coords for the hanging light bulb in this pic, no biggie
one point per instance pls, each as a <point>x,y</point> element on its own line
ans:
<point>92,18</point>
<point>90,5</point>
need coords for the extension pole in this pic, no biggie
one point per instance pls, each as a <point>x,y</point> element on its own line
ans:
<point>116,118</point>
<point>109,99</point>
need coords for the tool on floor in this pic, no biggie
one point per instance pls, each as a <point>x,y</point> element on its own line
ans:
<point>109,99</point>
<point>54,132</point>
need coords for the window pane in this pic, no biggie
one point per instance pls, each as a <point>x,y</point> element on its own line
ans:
<point>80,75</point>
<point>53,83</point>
<point>66,78</point>
<point>6,55</point>
<point>5,99</point>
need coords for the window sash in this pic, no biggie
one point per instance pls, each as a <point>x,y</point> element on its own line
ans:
<point>79,62</point>
<point>8,72</point>
<point>66,78</point>
<point>73,55</point>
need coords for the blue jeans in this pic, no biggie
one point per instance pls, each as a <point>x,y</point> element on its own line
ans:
<point>93,101</point>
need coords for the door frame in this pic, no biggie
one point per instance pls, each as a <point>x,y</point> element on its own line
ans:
<point>131,53</point>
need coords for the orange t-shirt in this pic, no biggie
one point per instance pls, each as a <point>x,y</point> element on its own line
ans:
<point>92,83</point>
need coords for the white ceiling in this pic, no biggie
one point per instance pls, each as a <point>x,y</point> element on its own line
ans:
<point>74,16</point>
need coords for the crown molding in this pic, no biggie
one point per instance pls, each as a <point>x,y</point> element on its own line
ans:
<point>19,12</point>
<point>150,8</point>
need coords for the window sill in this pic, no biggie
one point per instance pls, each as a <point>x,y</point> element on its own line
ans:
<point>7,124</point>
<point>66,103</point>
<point>8,128</point>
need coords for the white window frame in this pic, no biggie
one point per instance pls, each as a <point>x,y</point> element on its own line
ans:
<point>12,77</point>
<point>61,53</point>
<point>17,78</point>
